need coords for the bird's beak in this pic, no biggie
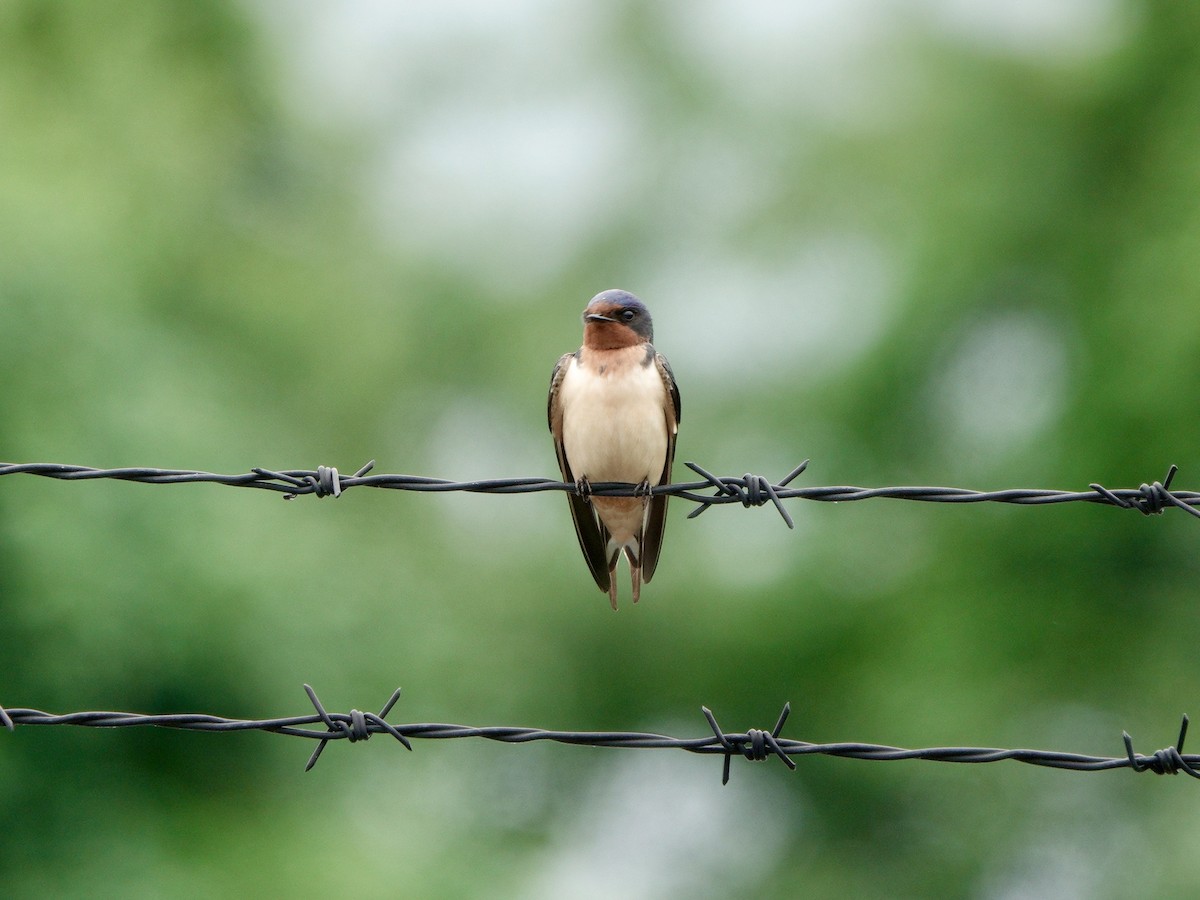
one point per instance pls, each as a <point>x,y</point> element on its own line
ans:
<point>596,317</point>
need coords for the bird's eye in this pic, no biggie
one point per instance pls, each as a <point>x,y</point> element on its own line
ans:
<point>628,314</point>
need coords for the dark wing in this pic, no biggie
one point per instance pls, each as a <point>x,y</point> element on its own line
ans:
<point>593,537</point>
<point>656,514</point>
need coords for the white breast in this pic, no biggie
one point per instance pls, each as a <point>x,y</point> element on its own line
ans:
<point>614,424</point>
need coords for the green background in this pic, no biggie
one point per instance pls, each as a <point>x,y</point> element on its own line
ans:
<point>921,243</point>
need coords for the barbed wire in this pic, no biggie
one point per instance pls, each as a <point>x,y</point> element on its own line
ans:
<point>753,744</point>
<point>748,490</point>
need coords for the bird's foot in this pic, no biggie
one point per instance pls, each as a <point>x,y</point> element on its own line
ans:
<point>583,488</point>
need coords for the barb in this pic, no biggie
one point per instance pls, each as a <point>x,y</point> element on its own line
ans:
<point>748,490</point>
<point>358,727</point>
<point>1169,761</point>
<point>754,744</point>
<point>1150,499</point>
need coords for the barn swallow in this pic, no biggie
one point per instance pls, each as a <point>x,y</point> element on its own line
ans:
<point>614,412</point>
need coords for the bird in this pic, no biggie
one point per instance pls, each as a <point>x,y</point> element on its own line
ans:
<point>614,413</point>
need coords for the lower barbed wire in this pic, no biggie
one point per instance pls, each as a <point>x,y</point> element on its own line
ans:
<point>754,744</point>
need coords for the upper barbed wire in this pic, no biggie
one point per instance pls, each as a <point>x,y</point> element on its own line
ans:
<point>748,490</point>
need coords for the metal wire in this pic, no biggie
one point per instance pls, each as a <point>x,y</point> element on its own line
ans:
<point>748,490</point>
<point>753,744</point>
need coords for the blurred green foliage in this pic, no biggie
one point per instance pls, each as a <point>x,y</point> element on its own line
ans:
<point>969,266</point>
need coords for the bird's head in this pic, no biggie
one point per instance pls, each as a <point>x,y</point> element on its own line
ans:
<point>615,319</point>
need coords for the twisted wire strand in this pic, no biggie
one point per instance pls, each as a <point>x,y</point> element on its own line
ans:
<point>753,744</point>
<point>748,490</point>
